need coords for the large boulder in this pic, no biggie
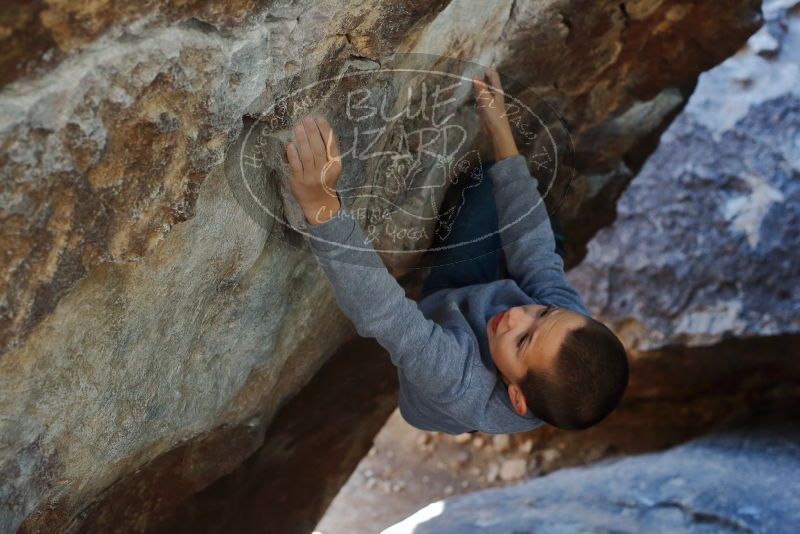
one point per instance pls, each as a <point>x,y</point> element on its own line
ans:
<point>706,244</point>
<point>739,480</point>
<point>148,323</point>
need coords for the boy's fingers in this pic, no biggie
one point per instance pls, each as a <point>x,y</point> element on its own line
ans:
<point>487,82</point>
<point>479,88</point>
<point>329,137</point>
<point>315,141</point>
<point>294,161</point>
<point>334,161</point>
<point>495,82</point>
<point>306,157</point>
<point>494,78</point>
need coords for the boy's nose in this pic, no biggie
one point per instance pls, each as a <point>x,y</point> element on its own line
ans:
<point>515,316</point>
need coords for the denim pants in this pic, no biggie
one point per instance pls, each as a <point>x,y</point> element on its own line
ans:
<point>473,263</point>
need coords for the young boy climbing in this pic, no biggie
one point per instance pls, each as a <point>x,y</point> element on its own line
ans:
<point>477,353</point>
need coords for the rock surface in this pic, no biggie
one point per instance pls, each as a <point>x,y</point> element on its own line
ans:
<point>145,318</point>
<point>733,481</point>
<point>706,244</point>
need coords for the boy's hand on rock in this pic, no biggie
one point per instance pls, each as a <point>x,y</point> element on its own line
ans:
<point>491,106</point>
<point>315,164</point>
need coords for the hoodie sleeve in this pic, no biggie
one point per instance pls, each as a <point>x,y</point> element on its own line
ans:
<point>433,358</point>
<point>527,237</point>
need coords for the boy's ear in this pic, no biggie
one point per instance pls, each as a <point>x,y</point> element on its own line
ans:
<point>517,399</point>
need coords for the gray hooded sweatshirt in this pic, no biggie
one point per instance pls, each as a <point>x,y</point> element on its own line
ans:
<point>448,380</point>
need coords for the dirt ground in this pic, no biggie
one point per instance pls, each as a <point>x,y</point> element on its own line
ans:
<point>407,468</point>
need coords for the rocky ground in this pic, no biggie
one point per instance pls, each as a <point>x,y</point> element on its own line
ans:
<point>732,481</point>
<point>674,396</point>
<point>408,468</point>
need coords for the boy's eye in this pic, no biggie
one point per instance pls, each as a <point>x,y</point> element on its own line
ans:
<point>522,340</point>
<point>544,311</point>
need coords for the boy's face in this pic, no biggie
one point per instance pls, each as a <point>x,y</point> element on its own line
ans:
<point>528,337</point>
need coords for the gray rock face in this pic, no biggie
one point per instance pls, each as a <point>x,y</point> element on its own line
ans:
<point>145,318</point>
<point>740,480</point>
<point>706,244</point>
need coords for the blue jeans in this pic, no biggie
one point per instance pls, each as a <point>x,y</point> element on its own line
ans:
<point>474,263</point>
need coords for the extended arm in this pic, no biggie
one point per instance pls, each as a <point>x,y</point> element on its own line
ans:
<point>433,358</point>
<point>525,230</point>
<point>527,237</point>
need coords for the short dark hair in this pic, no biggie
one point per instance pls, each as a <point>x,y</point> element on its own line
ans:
<point>587,381</point>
